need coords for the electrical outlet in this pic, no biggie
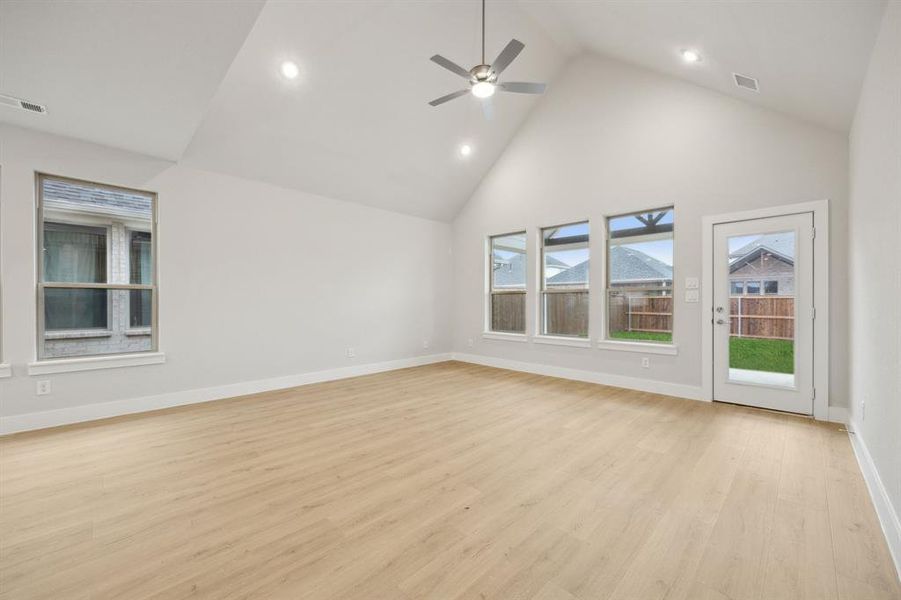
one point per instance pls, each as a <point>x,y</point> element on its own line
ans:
<point>350,353</point>
<point>470,343</point>
<point>645,362</point>
<point>43,387</point>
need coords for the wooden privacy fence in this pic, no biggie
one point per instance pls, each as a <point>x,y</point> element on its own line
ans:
<point>566,312</point>
<point>646,314</point>
<point>770,317</point>
<point>508,311</point>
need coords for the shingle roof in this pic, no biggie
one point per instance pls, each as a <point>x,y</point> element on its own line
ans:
<point>513,272</point>
<point>62,194</point>
<point>574,275</point>
<point>628,264</point>
<point>777,243</point>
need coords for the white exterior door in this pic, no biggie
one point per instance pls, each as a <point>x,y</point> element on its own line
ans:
<point>763,313</point>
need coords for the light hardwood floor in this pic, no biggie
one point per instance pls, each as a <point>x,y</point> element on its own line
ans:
<point>441,482</point>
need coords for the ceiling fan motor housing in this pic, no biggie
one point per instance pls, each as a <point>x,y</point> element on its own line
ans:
<point>483,73</point>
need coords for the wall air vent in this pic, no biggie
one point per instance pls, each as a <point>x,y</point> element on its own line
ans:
<point>22,104</point>
<point>748,83</point>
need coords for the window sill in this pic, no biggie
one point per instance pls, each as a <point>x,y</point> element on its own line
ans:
<point>559,340</point>
<point>138,331</point>
<point>645,347</point>
<point>5,371</point>
<point>507,337</point>
<point>77,334</point>
<point>91,363</point>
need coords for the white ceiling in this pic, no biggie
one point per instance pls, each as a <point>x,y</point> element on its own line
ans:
<point>198,82</point>
<point>133,75</point>
<point>357,125</point>
<point>810,56</point>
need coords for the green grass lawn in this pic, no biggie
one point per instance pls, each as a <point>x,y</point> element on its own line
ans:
<point>641,336</point>
<point>774,356</point>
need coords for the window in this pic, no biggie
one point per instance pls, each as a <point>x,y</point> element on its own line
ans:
<point>752,288</point>
<point>97,283</point>
<point>770,287</point>
<point>564,280</point>
<point>140,302</point>
<point>507,285</point>
<point>738,288</point>
<point>640,276</point>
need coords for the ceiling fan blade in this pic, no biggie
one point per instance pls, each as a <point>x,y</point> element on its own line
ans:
<point>449,97</point>
<point>521,87</point>
<point>451,66</point>
<point>506,56</point>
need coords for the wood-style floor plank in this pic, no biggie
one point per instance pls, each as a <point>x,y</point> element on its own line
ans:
<point>446,481</point>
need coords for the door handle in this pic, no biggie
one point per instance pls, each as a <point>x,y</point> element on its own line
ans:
<point>720,321</point>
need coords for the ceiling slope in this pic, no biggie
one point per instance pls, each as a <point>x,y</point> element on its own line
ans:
<point>356,124</point>
<point>810,56</point>
<point>132,75</point>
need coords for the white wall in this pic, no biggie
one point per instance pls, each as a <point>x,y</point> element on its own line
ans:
<point>875,265</point>
<point>256,281</point>
<point>612,138</point>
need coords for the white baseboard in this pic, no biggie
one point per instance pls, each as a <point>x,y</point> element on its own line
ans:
<point>888,515</point>
<point>102,410</point>
<point>634,383</point>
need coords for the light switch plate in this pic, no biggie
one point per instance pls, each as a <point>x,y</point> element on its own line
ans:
<point>692,296</point>
<point>692,283</point>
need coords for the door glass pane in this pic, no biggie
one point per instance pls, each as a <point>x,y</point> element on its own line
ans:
<point>762,272</point>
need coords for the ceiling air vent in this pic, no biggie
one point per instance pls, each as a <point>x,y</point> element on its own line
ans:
<point>743,81</point>
<point>22,104</point>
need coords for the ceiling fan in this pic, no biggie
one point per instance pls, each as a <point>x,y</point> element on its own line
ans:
<point>483,77</point>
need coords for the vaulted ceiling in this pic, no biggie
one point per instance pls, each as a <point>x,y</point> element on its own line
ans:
<point>199,83</point>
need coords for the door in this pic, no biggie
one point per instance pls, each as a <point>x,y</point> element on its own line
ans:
<point>763,313</point>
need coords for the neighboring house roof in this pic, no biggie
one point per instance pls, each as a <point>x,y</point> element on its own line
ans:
<point>626,264</point>
<point>513,272</point>
<point>576,274</point>
<point>780,244</point>
<point>66,195</point>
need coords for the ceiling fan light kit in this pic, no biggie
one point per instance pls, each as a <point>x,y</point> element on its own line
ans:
<point>483,77</point>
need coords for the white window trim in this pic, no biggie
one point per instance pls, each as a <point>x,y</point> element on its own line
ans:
<point>643,347</point>
<point>5,371</point>
<point>487,263</point>
<point>820,210</point>
<point>92,363</point>
<point>561,340</point>
<point>507,337</point>
<point>87,363</point>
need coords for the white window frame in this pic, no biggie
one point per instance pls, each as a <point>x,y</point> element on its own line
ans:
<point>540,314</point>
<point>604,342</point>
<point>487,331</point>
<point>44,365</point>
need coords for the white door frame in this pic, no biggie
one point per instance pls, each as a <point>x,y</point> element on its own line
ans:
<point>820,210</point>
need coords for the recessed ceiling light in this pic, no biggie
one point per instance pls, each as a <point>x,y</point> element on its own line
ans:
<point>465,150</point>
<point>691,56</point>
<point>483,89</point>
<point>290,70</point>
